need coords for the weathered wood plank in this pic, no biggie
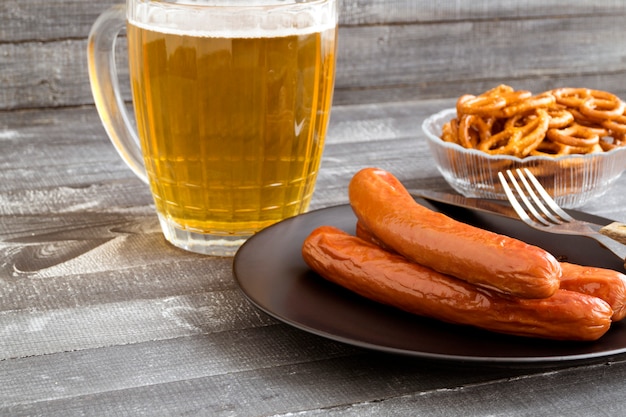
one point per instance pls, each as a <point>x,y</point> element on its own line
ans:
<point>284,383</point>
<point>453,88</point>
<point>48,20</point>
<point>163,361</point>
<point>50,150</point>
<point>383,63</point>
<point>47,74</point>
<point>36,333</point>
<point>226,365</point>
<point>571,393</point>
<point>47,149</point>
<point>436,62</point>
<point>45,20</point>
<point>404,11</point>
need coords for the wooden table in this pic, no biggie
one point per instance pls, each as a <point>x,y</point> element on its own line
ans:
<point>100,316</point>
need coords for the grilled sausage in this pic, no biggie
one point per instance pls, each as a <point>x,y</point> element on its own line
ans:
<point>603,283</point>
<point>606,284</point>
<point>491,260</point>
<point>391,279</point>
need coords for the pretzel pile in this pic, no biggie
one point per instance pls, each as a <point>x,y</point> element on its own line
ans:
<point>563,121</point>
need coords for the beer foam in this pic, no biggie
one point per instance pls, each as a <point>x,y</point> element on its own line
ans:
<point>223,18</point>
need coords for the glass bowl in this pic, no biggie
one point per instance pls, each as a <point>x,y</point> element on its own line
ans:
<point>572,180</point>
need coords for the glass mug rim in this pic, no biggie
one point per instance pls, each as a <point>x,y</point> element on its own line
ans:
<point>238,4</point>
<point>234,18</point>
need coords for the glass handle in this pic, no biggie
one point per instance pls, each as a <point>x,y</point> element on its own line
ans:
<point>106,89</point>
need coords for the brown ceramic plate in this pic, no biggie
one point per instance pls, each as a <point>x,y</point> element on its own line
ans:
<point>271,273</point>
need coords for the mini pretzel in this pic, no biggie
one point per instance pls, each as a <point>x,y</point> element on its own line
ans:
<point>557,122</point>
<point>575,135</point>
<point>468,137</point>
<point>549,148</point>
<point>585,120</point>
<point>450,131</point>
<point>559,117</point>
<point>523,106</point>
<point>474,129</point>
<point>492,102</point>
<point>521,135</point>
<point>602,105</point>
<point>571,97</point>
<point>480,105</point>
<point>617,125</point>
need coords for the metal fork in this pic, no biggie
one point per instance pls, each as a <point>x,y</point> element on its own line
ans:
<point>541,212</point>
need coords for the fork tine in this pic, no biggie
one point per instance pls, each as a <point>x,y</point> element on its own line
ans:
<point>564,225</point>
<point>531,208</point>
<point>538,202</point>
<point>513,200</point>
<point>546,197</point>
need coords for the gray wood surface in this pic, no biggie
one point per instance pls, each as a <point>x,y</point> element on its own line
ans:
<point>100,316</point>
<point>388,50</point>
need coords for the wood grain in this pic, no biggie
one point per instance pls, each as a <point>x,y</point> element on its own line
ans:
<point>387,51</point>
<point>44,20</point>
<point>100,316</point>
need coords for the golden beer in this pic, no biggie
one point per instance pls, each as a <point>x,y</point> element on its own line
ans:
<point>232,128</point>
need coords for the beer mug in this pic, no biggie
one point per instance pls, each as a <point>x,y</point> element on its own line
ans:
<point>231,101</point>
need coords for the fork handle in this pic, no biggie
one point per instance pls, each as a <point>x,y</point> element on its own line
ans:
<point>616,231</point>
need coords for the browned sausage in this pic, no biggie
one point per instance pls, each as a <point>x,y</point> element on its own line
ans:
<point>606,284</point>
<point>391,279</point>
<point>365,234</point>
<point>603,283</point>
<point>435,240</point>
